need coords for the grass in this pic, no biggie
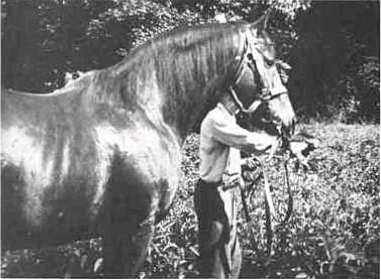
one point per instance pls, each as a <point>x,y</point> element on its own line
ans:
<point>333,231</point>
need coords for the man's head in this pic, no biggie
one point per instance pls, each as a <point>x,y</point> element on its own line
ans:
<point>228,102</point>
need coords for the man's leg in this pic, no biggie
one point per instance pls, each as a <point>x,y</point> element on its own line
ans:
<point>232,247</point>
<point>213,235</point>
<point>236,256</point>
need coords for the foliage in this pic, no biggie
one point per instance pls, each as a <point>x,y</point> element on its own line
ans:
<point>239,9</point>
<point>333,47</point>
<point>43,40</point>
<point>336,61</point>
<point>333,231</point>
<point>52,38</point>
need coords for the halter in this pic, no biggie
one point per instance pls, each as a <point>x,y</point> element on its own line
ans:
<point>267,93</point>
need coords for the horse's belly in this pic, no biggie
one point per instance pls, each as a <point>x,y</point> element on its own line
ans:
<point>45,214</point>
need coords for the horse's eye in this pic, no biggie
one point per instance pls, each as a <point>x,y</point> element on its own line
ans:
<point>269,62</point>
<point>250,57</point>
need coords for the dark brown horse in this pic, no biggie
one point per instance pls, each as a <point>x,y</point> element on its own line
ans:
<point>101,156</point>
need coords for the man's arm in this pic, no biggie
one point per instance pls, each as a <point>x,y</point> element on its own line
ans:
<point>231,134</point>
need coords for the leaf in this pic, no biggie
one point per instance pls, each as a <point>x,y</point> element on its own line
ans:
<point>97,265</point>
<point>77,252</point>
<point>83,261</point>
<point>301,275</point>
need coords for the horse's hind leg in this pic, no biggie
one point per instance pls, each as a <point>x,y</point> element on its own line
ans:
<point>126,247</point>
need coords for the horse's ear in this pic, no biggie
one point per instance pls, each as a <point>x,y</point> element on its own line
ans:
<point>261,23</point>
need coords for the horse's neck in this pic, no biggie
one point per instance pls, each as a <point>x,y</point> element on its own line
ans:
<point>187,114</point>
<point>186,118</point>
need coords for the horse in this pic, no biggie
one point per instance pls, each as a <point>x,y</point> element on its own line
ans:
<point>101,156</point>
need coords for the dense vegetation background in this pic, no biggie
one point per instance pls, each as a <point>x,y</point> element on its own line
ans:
<point>333,48</point>
<point>333,231</point>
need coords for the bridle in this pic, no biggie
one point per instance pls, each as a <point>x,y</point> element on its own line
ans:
<point>252,56</point>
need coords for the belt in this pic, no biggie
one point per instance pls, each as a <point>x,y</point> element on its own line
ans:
<point>225,186</point>
<point>212,184</point>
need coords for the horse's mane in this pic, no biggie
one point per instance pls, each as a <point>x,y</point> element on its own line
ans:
<point>183,60</point>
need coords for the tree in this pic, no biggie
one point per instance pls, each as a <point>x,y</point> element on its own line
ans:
<point>336,61</point>
<point>332,46</point>
<point>43,39</point>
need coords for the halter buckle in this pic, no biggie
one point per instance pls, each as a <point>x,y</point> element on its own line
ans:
<point>268,95</point>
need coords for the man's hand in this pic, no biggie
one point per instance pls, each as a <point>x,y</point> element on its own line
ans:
<point>250,163</point>
<point>251,172</point>
<point>263,143</point>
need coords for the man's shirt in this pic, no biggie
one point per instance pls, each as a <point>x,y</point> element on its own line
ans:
<point>221,140</point>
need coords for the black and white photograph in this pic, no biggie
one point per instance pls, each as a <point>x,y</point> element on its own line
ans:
<point>181,139</point>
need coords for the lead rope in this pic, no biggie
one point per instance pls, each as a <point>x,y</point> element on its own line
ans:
<point>269,209</point>
<point>253,242</point>
<point>290,203</point>
<point>269,205</point>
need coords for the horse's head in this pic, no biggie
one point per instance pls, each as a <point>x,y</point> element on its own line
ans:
<point>257,66</point>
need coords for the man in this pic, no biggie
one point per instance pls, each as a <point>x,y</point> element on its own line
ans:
<point>221,140</point>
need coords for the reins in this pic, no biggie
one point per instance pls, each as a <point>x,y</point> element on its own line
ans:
<point>269,208</point>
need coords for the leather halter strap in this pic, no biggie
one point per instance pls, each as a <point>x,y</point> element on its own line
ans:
<point>267,93</point>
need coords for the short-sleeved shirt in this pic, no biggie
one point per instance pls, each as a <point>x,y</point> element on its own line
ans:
<point>221,140</point>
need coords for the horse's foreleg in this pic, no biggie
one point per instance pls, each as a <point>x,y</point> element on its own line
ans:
<point>126,246</point>
<point>139,245</point>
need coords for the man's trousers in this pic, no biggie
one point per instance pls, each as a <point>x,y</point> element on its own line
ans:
<point>220,252</point>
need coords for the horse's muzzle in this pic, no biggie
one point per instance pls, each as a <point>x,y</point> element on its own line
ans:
<point>281,109</point>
